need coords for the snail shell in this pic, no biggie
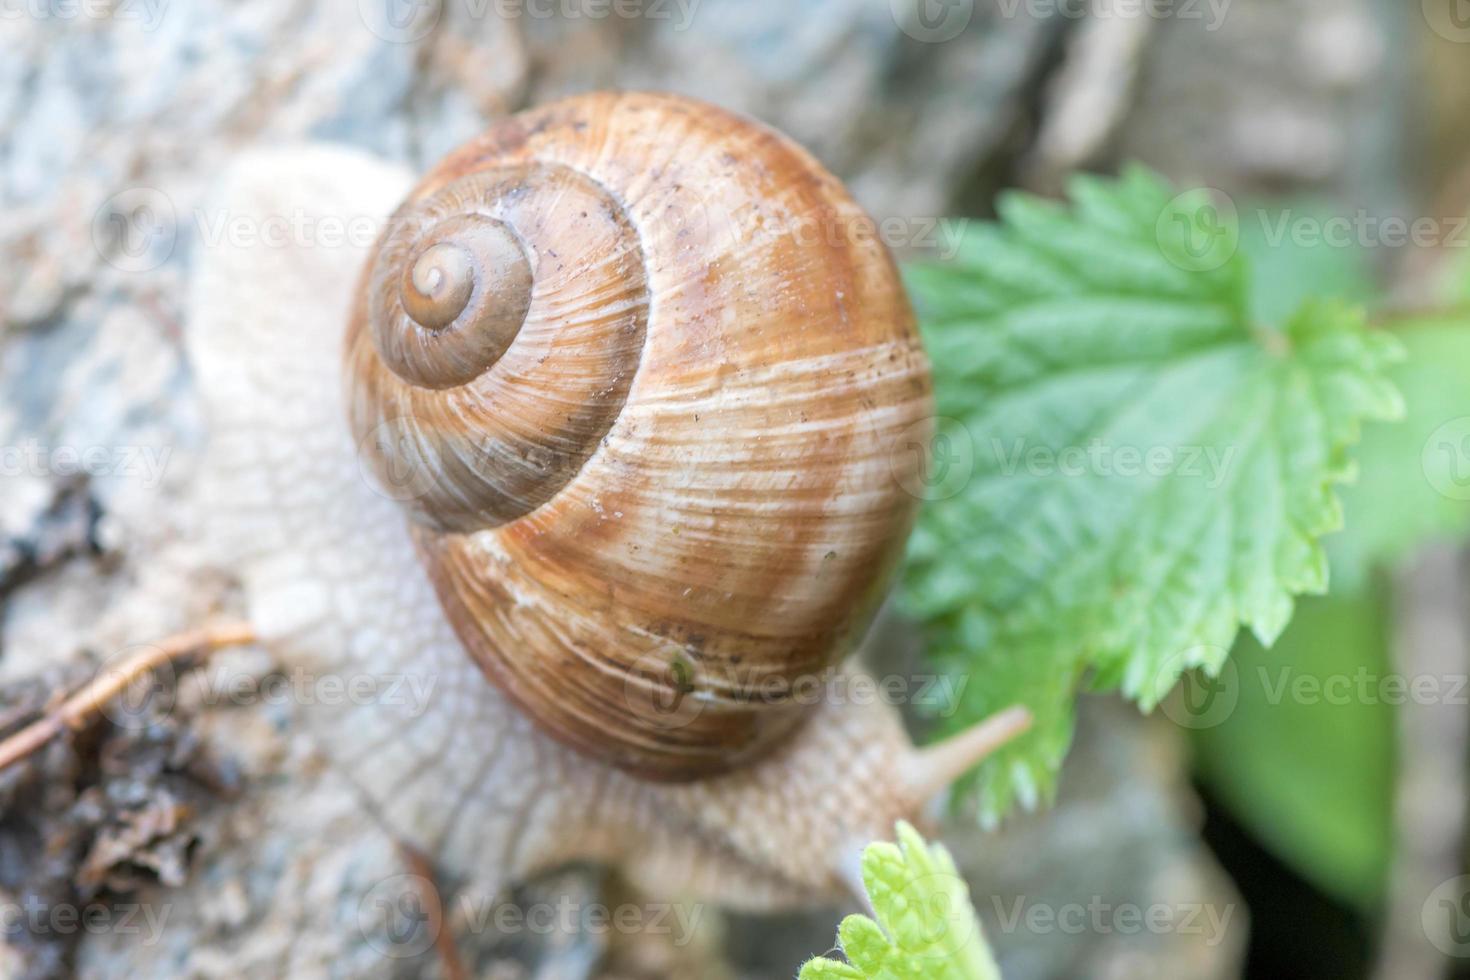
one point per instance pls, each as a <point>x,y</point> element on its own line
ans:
<point>648,387</point>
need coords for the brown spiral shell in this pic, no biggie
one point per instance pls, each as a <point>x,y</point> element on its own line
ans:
<point>649,388</point>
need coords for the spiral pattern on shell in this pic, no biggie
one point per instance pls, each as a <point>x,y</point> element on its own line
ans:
<point>651,404</point>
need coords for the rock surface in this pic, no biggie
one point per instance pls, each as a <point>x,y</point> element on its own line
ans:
<point>115,117</point>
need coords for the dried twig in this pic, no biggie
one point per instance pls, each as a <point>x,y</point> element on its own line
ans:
<point>77,711</point>
<point>444,946</point>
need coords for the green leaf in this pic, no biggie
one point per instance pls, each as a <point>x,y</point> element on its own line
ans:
<point>1144,467</point>
<point>1303,751</point>
<point>926,928</point>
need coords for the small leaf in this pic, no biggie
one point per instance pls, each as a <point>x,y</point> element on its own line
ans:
<point>926,928</point>
<point>823,969</point>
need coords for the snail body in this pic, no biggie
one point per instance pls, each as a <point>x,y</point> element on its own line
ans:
<point>307,509</point>
<point>642,389</point>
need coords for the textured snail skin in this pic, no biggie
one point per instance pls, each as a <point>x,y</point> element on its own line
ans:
<point>331,583</point>
<point>645,386</point>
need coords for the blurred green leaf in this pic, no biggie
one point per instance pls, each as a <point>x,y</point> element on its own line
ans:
<point>1145,468</point>
<point>1454,271</point>
<point>1284,272</point>
<point>1305,757</point>
<point>1413,482</point>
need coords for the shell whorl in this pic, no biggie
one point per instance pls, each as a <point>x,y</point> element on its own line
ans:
<point>458,301</point>
<point>650,403</point>
<point>508,306</point>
